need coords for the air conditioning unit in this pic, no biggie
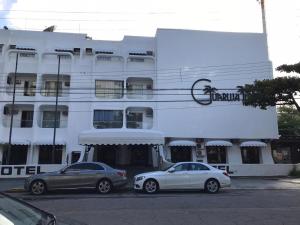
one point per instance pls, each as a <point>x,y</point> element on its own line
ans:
<point>8,80</point>
<point>150,53</point>
<point>67,83</point>
<point>76,51</point>
<point>89,51</point>
<point>8,111</point>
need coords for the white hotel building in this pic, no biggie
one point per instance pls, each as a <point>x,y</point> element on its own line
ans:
<point>135,102</point>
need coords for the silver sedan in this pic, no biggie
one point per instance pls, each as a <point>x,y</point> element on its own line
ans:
<point>79,175</point>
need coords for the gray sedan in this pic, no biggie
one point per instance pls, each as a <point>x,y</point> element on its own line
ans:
<point>79,175</point>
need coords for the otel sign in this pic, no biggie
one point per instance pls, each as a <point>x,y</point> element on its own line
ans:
<point>207,97</point>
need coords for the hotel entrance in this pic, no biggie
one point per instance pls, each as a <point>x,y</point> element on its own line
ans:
<point>124,155</point>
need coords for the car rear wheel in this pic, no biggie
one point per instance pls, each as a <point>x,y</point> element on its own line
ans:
<point>212,186</point>
<point>104,186</point>
<point>151,186</point>
<point>38,187</point>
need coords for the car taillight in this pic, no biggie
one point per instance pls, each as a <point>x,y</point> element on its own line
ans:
<point>122,174</point>
<point>226,174</point>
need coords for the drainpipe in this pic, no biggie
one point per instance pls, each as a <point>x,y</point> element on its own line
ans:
<point>55,115</point>
<point>12,110</point>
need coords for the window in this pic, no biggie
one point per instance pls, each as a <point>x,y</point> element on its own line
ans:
<point>26,118</point>
<point>28,55</point>
<point>182,167</point>
<point>137,59</point>
<point>75,157</point>
<point>108,119</point>
<point>216,154</point>
<point>103,58</point>
<point>198,166</point>
<point>18,155</point>
<point>250,155</point>
<point>109,89</point>
<point>85,166</point>
<point>134,120</point>
<point>49,119</point>
<point>282,155</point>
<point>50,88</point>
<point>29,88</point>
<point>46,153</point>
<point>181,153</point>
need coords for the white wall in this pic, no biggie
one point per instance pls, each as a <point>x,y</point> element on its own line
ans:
<point>191,52</point>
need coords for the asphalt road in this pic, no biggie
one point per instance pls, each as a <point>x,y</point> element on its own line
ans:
<point>236,207</point>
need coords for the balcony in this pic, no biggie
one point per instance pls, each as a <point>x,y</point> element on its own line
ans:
<point>22,116</point>
<point>49,85</point>
<point>46,118</point>
<point>25,84</point>
<point>139,118</point>
<point>139,88</point>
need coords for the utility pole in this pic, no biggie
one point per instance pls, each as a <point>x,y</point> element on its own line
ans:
<point>55,114</point>
<point>263,14</point>
<point>264,22</point>
<point>12,111</point>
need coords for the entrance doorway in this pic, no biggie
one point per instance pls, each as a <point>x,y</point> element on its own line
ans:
<point>124,155</point>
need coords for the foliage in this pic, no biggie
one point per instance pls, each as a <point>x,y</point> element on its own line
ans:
<point>289,68</point>
<point>271,92</point>
<point>288,121</point>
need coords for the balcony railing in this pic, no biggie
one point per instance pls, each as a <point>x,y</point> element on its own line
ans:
<point>139,94</point>
<point>17,123</point>
<point>51,123</point>
<point>52,92</point>
<point>20,91</point>
<point>107,124</point>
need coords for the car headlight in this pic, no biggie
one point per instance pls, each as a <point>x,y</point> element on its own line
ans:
<point>139,178</point>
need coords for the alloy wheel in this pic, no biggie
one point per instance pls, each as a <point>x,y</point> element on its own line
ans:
<point>38,187</point>
<point>104,186</point>
<point>151,186</point>
<point>212,186</point>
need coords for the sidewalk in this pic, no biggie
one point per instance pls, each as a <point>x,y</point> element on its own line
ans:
<point>254,183</point>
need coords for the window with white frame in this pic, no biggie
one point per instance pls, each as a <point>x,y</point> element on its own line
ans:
<point>109,89</point>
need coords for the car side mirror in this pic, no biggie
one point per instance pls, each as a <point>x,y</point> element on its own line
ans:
<point>171,170</point>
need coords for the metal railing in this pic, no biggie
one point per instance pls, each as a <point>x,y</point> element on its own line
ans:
<point>107,124</point>
<point>51,123</point>
<point>17,123</point>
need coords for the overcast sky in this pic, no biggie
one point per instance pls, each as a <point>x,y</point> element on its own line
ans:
<point>112,19</point>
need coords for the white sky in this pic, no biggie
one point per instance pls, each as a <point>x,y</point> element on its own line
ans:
<point>112,19</point>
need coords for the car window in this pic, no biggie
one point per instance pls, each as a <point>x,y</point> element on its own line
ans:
<point>85,166</point>
<point>182,167</point>
<point>93,166</point>
<point>198,166</point>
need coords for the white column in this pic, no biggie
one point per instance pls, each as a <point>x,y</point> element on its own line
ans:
<point>29,154</point>
<point>1,153</point>
<point>234,155</point>
<point>266,155</point>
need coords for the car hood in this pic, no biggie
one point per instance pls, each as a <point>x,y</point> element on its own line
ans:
<point>154,173</point>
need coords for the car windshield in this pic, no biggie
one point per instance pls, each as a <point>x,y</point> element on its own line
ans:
<point>14,212</point>
<point>168,168</point>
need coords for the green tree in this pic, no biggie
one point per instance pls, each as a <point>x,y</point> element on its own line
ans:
<point>288,121</point>
<point>272,92</point>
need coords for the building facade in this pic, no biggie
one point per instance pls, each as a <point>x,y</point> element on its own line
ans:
<point>138,102</point>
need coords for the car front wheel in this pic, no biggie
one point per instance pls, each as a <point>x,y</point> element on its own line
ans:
<point>38,187</point>
<point>151,186</point>
<point>212,186</point>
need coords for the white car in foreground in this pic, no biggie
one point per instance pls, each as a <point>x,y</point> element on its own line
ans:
<point>183,175</point>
